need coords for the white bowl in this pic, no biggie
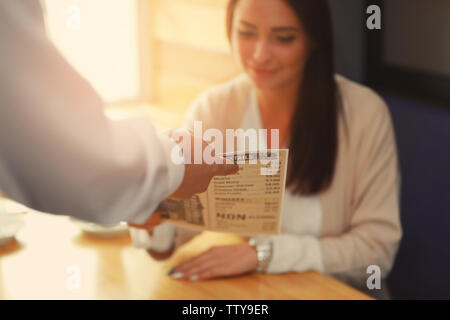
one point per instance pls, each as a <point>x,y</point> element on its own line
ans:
<point>11,219</point>
<point>101,230</point>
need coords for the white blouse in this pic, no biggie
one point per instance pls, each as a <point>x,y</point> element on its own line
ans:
<point>295,249</point>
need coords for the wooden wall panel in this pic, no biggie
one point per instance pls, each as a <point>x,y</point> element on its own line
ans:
<point>190,51</point>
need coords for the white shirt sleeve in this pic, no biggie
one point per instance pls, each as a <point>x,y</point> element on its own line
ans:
<point>295,253</point>
<point>59,153</point>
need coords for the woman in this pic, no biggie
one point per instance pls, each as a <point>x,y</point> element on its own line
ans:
<point>341,210</point>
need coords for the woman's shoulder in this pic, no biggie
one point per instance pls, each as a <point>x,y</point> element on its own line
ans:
<point>359,98</point>
<point>362,107</point>
<point>234,88</point>
<point>225,99</point>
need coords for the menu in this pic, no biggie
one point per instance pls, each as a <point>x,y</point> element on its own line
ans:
<point>249,202</point>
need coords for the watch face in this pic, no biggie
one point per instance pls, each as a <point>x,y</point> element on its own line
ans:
<point>264,255</point>
<point>264,249</point>
<point>261,239</point>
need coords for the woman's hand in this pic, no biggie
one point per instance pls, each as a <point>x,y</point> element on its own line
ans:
<point>223,261</point>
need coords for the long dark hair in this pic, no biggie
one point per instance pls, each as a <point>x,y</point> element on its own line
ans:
<point>314,128</point>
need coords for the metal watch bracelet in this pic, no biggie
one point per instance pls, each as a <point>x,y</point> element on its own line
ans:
<point>264,253</point>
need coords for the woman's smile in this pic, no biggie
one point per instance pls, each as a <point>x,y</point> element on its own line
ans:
<point>261,72</point>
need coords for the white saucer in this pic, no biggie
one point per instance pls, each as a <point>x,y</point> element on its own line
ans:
<point>11,219</point>
<point>100,230</point>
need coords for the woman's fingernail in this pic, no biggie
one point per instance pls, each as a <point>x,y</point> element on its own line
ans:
<point>171,271</point>
<point>177,275</point>
<point>193,278</point>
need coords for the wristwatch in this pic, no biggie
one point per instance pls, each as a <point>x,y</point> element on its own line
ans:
<point>264,247</point>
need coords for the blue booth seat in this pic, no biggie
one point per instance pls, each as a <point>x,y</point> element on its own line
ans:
<point>422,266</point>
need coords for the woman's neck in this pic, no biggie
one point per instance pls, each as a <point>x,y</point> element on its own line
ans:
<point>276,109</point>
<point>278,103</point>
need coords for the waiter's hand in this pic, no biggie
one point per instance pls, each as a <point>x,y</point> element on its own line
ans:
<point>198,176</point>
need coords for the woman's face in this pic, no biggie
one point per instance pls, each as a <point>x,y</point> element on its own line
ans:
<point>269,43</point>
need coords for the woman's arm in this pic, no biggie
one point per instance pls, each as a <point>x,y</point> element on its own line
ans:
<point>374,231</point>
<point>295,253</point>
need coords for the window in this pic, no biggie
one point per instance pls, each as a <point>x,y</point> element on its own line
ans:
<point>410,53</point>
<point>101,40</point>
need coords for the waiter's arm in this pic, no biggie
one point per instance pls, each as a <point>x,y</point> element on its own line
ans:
<point>58,151</point>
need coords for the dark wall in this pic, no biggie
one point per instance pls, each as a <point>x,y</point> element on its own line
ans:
<point>423,136</point>
<point>349,19</point>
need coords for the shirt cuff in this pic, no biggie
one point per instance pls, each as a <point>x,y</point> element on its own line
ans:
<point>176,170</point>
<point>291,253</point>
<point>161,240</point>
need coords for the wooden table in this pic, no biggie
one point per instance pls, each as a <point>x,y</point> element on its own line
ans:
<point>53,259</point>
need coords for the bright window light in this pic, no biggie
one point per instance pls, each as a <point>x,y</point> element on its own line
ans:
<point>100,39</point>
